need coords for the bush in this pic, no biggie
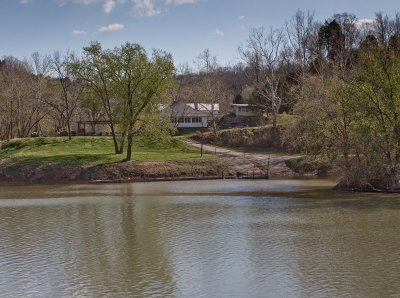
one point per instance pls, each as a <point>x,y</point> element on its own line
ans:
<point>307,165</point>
<point>245,138</point>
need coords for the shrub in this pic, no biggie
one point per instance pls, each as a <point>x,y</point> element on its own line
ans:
<point>305,165</point>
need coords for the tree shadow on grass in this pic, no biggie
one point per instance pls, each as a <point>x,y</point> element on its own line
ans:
<point>42,162</point>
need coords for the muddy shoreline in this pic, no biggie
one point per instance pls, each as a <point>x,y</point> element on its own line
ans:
<point>181,170</point>
<point>207,169</point>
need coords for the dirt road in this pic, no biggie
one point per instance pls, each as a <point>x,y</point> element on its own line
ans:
<point>248,163</point>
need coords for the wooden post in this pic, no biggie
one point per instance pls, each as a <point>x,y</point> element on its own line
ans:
<point>201,143</point>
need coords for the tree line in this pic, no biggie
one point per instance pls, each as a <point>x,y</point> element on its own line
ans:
<point>346,87</point>
<point>124,86</point>
<point>339,78</point>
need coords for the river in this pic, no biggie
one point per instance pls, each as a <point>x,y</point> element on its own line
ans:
<point>283,238</point>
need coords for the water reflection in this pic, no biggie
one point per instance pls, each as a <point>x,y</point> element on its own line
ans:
<point>150,240</point>
<point>82,249</point>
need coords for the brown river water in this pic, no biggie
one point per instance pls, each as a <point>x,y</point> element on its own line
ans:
<point>283,238</point>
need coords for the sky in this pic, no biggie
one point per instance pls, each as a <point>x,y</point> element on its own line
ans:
<point>183,28</point>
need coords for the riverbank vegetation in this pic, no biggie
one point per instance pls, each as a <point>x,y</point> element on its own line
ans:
<point>349,105</point>
<point>309,165</point>
<point>251,139</point>
<point>340,80</point>
<point>336,80</point>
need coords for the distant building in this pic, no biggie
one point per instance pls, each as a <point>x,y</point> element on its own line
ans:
<point>242,110</point>
<point>93,128</point>
<point>183,115</point>
<point>193,115</point>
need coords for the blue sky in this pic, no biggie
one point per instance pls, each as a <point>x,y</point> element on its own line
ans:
<point>181,27</point>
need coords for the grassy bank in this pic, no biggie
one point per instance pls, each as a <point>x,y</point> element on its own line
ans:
<point>88,150</point>
<point>59,159</point>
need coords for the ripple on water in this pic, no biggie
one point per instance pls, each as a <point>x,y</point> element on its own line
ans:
<point>144,244</point>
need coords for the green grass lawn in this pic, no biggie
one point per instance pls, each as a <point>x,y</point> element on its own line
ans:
<point>38,152</point>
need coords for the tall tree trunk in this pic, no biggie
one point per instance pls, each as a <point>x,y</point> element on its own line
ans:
<point>130,143</point>
<point>274,120</point>
<point>11,128</point>
<point>116,149</point>
<point>69,129</point>
<point>122,144</point>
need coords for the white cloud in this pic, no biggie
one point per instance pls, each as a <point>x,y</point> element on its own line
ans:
<point>179,2</point>
<point>241,18</point>
<point>78,32</point>
<point>111,28</point>
<point>151,8</point>
<point>219,33</point>
<point>86,2</point>
<point>364,22</point>
<point>108,6</point>
<point>146,8</point>
<point>24,1</point>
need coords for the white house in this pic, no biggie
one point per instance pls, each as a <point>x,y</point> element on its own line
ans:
<point>243,110</point>
<point>183,115</point>
<point>193,115</point>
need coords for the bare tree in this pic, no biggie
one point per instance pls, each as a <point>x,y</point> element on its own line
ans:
<point>382,28</point>
<point>210,90</point>
<point>18,109</point>
<point>302,38</point>
<point>40,68</point>
<point>263,54</point>
<point>67,90</point>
